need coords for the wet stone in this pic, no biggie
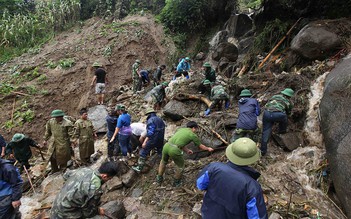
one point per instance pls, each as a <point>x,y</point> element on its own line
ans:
<point>137,192</point>
<point>114,184</point>
<point>113,209</point>
<point>129,178</point>
<point>274,215</point>
<point>289,141</point>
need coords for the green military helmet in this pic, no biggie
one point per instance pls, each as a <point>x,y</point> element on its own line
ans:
<point>187,58</point>
<point>149,110</point>
<point>207,65</point>
<point>57,113</point>
<point>288,92</point>
<point>245,93</point>
<point>17,137</point>
<point>96,64</point>
<point>243,152</point>
<point>165,84</point>
<point>206,82</point>
<point>120,107</point>
<point>138,61</point>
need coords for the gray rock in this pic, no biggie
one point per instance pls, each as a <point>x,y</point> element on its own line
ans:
<point>219,38</point>
<point>129,178</point>
<point>114,209</point>
<point>97,115</point>
<point>274,215</point>
<point>238,25</point>
<point>289,141</point>
<point>200,56</point>
<point>336,129</point>
<point>176,110</point>
<point>228,50</point>
<point>114,184</point>
<point>315,42</point>
<point>245,44</point>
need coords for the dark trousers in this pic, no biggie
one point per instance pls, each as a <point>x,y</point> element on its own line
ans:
<point>112,147</point>
<point>124,143</point>
<point>6,209</point>
<point>156,142</point>
<point>269,118</point>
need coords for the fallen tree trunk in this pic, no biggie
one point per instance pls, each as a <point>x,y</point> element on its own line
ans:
<point>182,97</point>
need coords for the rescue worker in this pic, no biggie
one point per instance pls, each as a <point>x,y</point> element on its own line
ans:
<point>61,130</point>
<point>85,134</point>
<point>209,72</point>
<point>136,76</point>
<point>81,193</point>
<point>124,131</point>
<point>155,133</point>
<point>158,94</point>
<point>205,88</point>
<point>174,149</point>
<point>100,81</point>
<point>145,79</point>
<point>232,190</point>
<point>184,67</point>
<point>157,76</point>
<point>277,109</point>
<point>249,109</point>
<point>19,148</point>
<point>10,190</point>
<point>112,147</point>
<point>218,95</point>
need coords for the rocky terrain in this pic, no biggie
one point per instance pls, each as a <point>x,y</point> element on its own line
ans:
<point>58,75</point>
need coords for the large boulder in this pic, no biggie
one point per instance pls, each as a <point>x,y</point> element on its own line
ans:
<point>336,129</point>
<point>97,115</point>
<point>315,41</point>
<point>176,110</point>
<point>220,37</point>
<point>238,25</point>
<point>228,50</point>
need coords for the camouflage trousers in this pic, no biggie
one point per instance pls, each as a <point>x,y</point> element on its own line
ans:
<point>241,133</point>
<point>136,84</point>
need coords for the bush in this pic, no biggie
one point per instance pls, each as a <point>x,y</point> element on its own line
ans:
<point>185,15</point>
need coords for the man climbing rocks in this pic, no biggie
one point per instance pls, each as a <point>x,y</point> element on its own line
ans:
<point>85,134</point>
<point>81,193</point>
<point>10,190</point>
<point>277,109</point>
<point>174,148</point>
<point>158,75</point>
<point>184,67</point>
<point>136,76</point>
<point>158,94</point>
<point>155,133</point>
<point>19,148</point>
<point>209,72</point>
<point>145,79</point>
<point>249,109</point>
<point>112,147</point>
<point>232,190</point>
<point>61,130</point>
<point>218,95</point>
<point>100,78</point>
<point>124,131</point>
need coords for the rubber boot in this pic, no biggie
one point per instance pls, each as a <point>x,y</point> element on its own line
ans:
<point>141,164</point>
<point>159,179</point>
<point>177,177</point>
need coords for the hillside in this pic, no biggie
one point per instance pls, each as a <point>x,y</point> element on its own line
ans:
<point>58,75</point>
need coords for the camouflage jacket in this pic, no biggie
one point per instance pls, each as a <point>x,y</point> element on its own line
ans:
<point>278,103</point>
<point>218,92</point>
<point>80,196</point>
<point>159,93</point>
<point>210,74</point>
<point>135,69</point>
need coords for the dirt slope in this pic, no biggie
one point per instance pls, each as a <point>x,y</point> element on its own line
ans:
<point>115,44</point>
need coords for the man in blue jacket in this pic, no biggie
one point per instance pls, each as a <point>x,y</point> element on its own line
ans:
<point>249,109</point>
<point>184,67</point>
<point>10,190</point>
<point>155,133</point>
<point>232,190</point>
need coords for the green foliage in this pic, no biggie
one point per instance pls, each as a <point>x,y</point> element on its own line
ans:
<point>246,4</point>
<point>66,63</point>
<point>9,124</point>
<point>31,89</point>
<point>51,64</point>
<point>21,31</point>
<point>185,15</point>
<point>270,36</point>
<point>32,75</point>
<point>42,78</point>
<point>6,88</point>
<point>24,116</point>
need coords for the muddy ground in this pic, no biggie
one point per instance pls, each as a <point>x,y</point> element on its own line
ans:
<point>291,180</point>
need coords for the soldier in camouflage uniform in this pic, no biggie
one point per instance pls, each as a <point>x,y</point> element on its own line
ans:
<point>61,130</point>
<point>276,110</point>
<point>158,94</point>
<point>80,196</point>
<point>136,76</point>
<point>85,134</point>
<point>218,95</point>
